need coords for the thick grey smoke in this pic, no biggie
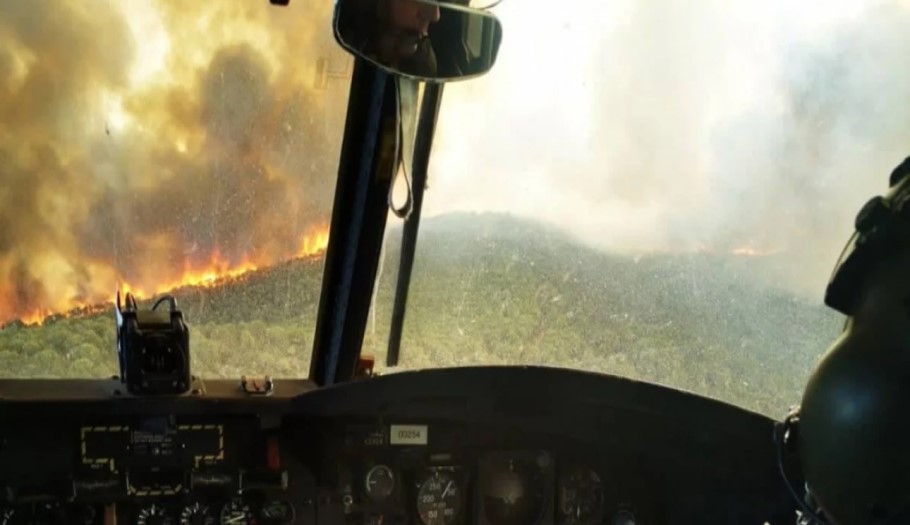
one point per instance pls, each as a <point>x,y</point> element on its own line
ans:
<point>680,126</point>
<point>802,175</point>
<point>50,62</point>
<point>227,149</point>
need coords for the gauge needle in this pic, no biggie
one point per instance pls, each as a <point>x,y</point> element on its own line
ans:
<point>235,519</point>
<point>446,491</point>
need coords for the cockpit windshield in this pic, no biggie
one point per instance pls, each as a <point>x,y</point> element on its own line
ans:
<point>162,146</point>
<point>656,190</point>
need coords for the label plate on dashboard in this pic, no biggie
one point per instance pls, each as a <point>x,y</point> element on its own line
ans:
<point>408,434</point>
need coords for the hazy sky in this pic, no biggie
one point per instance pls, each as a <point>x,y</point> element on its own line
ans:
<point>676,125</point>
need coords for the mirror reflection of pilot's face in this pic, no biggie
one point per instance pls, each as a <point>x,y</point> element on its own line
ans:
<point>412,15</point>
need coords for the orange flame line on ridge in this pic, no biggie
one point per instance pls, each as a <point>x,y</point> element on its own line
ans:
<point>212,273</point>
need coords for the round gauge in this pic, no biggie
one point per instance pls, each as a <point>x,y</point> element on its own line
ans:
<point>197,514</point>
<point>236,513</point>
<point>513,493</point>
<point>380,482</point>
<point>278,512</point>
<point>439,499</point>
<point>153,515</point>
<point>580,496</point>
<point>87,515</point>
<point>624,517</point>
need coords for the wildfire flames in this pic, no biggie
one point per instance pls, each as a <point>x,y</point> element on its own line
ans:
<point>155,144</point>
<point>216,271</point>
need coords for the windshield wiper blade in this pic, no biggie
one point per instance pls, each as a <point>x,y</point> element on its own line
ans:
<point>423,145</point>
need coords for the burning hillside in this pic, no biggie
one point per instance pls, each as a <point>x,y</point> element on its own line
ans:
<point>158,144</point>
<point>218,272</point>
<point>495,289</point>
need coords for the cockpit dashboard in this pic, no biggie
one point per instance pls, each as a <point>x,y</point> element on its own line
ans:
<point>486,445</point>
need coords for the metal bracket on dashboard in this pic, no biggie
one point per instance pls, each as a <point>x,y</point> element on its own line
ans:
<point>113,387</point>
<point>257,386</point>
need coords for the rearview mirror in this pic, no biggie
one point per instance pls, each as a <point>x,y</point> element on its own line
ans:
<point>427,40</point>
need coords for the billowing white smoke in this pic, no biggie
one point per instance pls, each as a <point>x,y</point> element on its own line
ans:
<point>682,126</point>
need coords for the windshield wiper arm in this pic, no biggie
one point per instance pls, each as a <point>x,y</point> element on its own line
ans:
<point>423,145</point>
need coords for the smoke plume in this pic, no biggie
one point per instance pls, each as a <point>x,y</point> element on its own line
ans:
<point>675,126</point>
<point>141,140</point>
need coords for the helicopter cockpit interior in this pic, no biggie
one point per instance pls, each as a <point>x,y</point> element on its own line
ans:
<point>159,442</point>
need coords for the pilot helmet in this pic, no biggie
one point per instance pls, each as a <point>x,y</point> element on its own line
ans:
<point>854,418</point>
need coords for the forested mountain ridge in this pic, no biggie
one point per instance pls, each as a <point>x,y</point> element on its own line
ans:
<point>494,289</point>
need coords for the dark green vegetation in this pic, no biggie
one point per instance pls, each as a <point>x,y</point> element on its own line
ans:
<point>491,289</point>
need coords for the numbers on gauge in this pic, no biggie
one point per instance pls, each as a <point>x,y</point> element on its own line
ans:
<point>236,513</point>
<point>153,515</point>
<point>439,498</point>
<point>197,514</point>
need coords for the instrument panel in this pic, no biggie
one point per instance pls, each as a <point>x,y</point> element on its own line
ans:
<point>232,471</point>
<point>150,470</point>
<point>457,479</point>
<point>481,446</point>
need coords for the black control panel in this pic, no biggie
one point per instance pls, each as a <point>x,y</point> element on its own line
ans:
<point>158,469</point>
<point>486,446</point>
<point>441,474</point>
